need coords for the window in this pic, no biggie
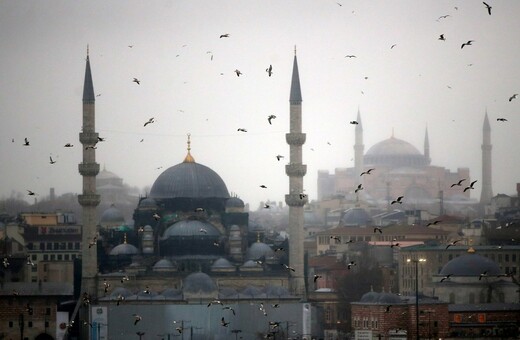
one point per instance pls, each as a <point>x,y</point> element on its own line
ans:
<point>45,257</point>
<point>513,258</point>
<point>60,257</point>
<point>506,257</point>
<point>56,246</point>
<point>42,245</point>
<point>76,245</point>
<point>66,257</point>
<point>62,246</point>
<point>29,324</point>
<point>53,257</point>
<point>11,324</point>
<point>30,246</point>
<point>34,257</point>
<point>49,246</point>
<point>69,245</point>
<point>46,324</point>
<point>73,256</point>
<point>47,311</point>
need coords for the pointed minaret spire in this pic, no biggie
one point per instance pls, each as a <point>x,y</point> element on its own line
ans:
<point>296,93</point>
<point>189,158</point>
<point>487,190</point>
<point>427,146</point>
<point>88,87</point>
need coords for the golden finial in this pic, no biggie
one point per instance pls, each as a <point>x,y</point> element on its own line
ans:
<point>257,236</point>
<point>471,249</point>
<point>189,158</point>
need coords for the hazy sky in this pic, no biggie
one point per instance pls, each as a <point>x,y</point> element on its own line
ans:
<point>421,81</point>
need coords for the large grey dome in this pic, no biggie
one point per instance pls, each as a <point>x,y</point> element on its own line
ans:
<point>395,152</point>
<point>470,265</point>
<point>189,180</point>
<point>259,250</point>
<point>191,228</point>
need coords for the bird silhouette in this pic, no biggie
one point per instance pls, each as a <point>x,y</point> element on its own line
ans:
<point>93,242</point>
<point>353,122</point>
<point>106,285</point>
<point>367,172</point>
<point>226,35</point>
<point>199,209</point>
<point>288,267</point>
<point>394,245</point>
<point>137,81</point>
<point>350,56</point>
<point>391,47</point>
<point>359,187</point>
<point>378,229</point>
<point>241,130</point>
<point>68,145</point>
<point>26,141</point>
<point>31,193</point>
<point>487,7</point>
<point>237,71</point>
<point>443,17</point>
<point>459,183</point>
<point>434,223</point>
<point>5,262</point>
<point>223,322</point>
<point>501,120</point>
<point>156,216</point>
<point>150,121</point>
<point>470,186</point>
<point>445,278</point>
<point>336,238</point>
<point>215,302</point>
<point>398,200</point>
<point>302,195</point>
<point>202,230</point>
<point>350,264</point>
<point>270,117</point>
<point>269,70</point>
<point>441,37</point>
<point>137,318</point>
<point>316,277</point>
<point>263,186</point>
<point>510,99</point>
<point>467,43</point>
<point>29,262</point>
<point>484,274</point>
<point>229,308</point>
<point>266,206</point>
<point>278,157</point>
<point>453,243</point>
<point>125,278</point>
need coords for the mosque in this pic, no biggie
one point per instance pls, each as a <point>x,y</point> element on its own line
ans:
<point>400,169</point>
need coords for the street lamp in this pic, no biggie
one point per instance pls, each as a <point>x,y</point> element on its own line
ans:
<point>416,293</point>
<point>236,331</point>
<point>140,334</point>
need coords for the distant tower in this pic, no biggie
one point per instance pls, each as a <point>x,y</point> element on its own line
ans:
<point>88,200</point>
<point>427,146</point>
<point>359,148</point>
<point>296,170</point>
<point>487,190</point>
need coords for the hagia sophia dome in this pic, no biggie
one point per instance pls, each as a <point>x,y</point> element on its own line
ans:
<point>189,180</point>
<point>394,152</point>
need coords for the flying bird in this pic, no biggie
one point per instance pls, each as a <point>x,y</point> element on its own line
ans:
<point>136,81</point>
<point>288,267</point>
<point>316,277</point>
<point>441,37</point>
<point>106,285</point>
<point>359,187</point>
<point>215,302</point>
<point>445,278</point>
<point>467,43</point>
<point>394,45</point>
<point>302,195</point>
<point>350,264</point>
<point>484,274</point>
<point>269,70</point>
<point>29,261</point>
<point>350,56</point>
<point>93,242</point>
<point>26,141</point>
<point>68,145</point>
<point>5,262</point>
<point>238,72</point>
<point>353,122</point>
<point>398,200</point>
<point>266,206</point>
<point>443,17</point>
<point>510,99</point>
<point>394,245</point>
<point>226,35</point>
<point>459,183</point>
<point>367,172</point>
<point>501,120</point>
<point>263,186</point>
<point>199,209</point>
<point>278,157</point>
<point>470,186</point>
<point>223,322</point>
<point>378,229</point>
<point>125,278</point>
<point>229,308</point>
<point>271,117</point>
<point>156,216</point>
<point>202,230</point>
<point>434,223</point>
<point>336,238</point>
<point>31,193</point>
<point>241,130</point>
<point>453,243</point>
<point>150,121</point>
<point>137,318</point>
<point>487,7</point>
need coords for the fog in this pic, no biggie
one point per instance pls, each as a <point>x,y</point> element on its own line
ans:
<point>188,85</point>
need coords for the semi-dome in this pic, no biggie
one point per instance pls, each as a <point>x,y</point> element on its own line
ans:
<point>191,228</point>
<point>234,202</point>
<point>221,263</point>
<point>259,250</point>
<point>124,249</point>
<point>395,152</point>
<point>470,265</point>
<point>112,215</point>
<point>189,180</point>
<point>199,282</point>
<point>162,264</point>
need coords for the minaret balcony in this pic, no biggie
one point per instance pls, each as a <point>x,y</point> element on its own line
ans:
<point>89,200</point>
<point>88,169</point>
<point>88,138</point>
<point>296,170</point>
<point>294,138</point>
<point>295,200</point>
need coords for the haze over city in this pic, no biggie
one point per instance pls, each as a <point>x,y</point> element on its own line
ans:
<point>400,76</point>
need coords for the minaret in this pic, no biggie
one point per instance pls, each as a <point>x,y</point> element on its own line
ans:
<point>296,170</point>
<point>487,190</point>
<point>359,148</point>
<point>88,200</point>
<point>427,147</point>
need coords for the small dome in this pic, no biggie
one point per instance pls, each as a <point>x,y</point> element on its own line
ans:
<point>221,263</point>
<point>112,215</point>
<point>191,228</point>
<point>250,264</point>
<point>199,282</point>
<point>124,249</point>
<point>470,265</point>
<point>388,298</point>
<point>234,227</point>
<point>148,203</point>
<point>147,228</point>
<point>163,263</point>
<point>370,297</point>
<point>259,250</point>
<point>355,217</point>
<point>234,202</point>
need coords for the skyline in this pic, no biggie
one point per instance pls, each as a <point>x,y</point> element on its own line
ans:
<point>190,91</point>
